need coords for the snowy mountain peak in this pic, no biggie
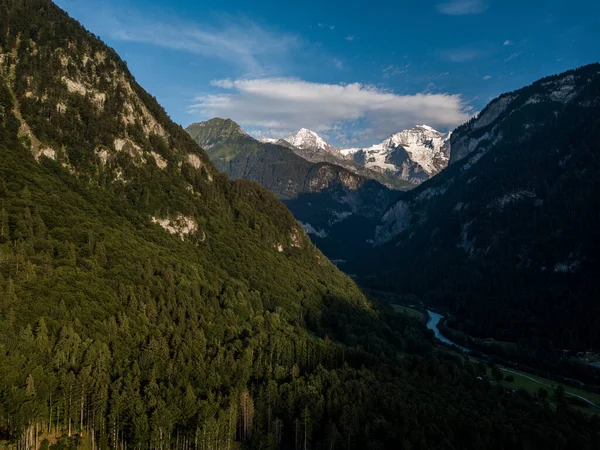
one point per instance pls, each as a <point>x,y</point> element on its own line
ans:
<point>415,154</point>
<point>309,140</point>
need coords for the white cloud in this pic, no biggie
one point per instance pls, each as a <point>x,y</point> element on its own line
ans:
<point>283,104</point>
<point>508,42</point>
<point>350,37</point>
<point>462,7</point>
<point>487,77</point>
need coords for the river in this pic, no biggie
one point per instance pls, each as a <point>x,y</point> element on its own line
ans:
<point>432,324</point>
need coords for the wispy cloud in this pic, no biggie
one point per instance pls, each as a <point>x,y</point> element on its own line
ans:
<point>462,54</point>
<point>508,42</point>
<point>324,25</point>
<point>462,7</point>
<point>393,70</point>
<point>283,104</point>
<point>350,37</point>
<point>487,77</point>
<point>338,64</point>
<point>513,56</point>
<point>237,40</point>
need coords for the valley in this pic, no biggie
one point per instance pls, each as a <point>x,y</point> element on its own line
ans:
<point>377,285</point>
<point>520,379</point>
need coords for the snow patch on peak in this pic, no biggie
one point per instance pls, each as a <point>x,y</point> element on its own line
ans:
<point>309,140</point>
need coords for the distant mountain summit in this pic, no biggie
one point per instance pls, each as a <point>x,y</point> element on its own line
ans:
<point>413,155</point>
<point>309,140</point>
<point>213,131</point>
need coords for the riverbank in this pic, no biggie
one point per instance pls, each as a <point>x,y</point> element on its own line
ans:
<point>588,397</point>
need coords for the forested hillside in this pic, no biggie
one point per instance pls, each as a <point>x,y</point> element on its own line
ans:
<point>506,238</point>
<point>147,301</point>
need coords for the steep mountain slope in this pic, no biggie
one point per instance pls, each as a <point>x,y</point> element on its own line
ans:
<point>414,155</point>
<point>337,207</point>
<point>507,237</point>
<point>147,301</point>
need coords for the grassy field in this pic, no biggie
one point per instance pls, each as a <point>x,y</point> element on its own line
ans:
<point>408,311</point>
<point>526,381</point>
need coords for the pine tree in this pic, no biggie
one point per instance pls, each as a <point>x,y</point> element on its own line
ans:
<point>30,387</point>
<point>4,229</point>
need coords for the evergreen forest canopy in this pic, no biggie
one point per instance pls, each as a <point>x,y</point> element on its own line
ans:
<point>147,301</point>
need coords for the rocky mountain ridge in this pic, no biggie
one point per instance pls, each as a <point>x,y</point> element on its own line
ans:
<point>412,155</point>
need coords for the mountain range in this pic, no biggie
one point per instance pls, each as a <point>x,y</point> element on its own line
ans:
<point>337,195</point>
<point>147,300</point>
<point>412,155</point>
<point>468,229</point>
<point>337,206</point>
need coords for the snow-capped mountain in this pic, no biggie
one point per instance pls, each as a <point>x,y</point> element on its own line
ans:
<point>309,140</point>
<point>412,155</point>
<point>415,154</point>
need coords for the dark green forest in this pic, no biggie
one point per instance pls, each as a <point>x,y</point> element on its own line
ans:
<point>238,333</point>
<point>508,244</point>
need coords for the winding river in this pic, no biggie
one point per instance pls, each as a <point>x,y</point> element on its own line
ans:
<point>432,324</point>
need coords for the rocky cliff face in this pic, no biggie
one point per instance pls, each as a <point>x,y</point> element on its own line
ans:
<point>525,109</point>
<point>97,119</point>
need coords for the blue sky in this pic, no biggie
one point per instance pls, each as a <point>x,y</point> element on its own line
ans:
<point>354,71</point>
